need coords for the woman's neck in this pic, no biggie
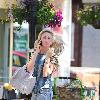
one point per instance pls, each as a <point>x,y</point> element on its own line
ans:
<point>44,50</point>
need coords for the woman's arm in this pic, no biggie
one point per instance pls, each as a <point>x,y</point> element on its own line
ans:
<point>31,62</point>
<point>47,69</point>
<point>48,66</point>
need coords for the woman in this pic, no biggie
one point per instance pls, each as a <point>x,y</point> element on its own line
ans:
<point>43,62</point>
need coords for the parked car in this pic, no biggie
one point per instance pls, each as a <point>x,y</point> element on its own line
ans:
<point>19,60</point>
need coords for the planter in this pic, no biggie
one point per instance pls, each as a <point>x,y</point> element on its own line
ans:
<point>74,90</point>
<point>65,93</point>
<point>69,93</point>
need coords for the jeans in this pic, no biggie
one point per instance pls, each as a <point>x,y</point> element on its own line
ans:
<point>43,95</point>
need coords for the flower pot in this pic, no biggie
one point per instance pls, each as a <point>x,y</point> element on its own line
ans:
<point>69,93</point>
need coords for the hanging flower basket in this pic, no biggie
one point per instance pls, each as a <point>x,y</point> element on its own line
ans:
<point>90,14</point>
<point>42,10</point>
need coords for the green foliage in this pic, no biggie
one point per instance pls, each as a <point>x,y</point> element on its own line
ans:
<point>90,14</point>
<point>5,17</point>
<point>19,14</point>
<point>45,14</point>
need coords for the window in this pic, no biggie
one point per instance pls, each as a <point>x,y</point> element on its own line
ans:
<point>18,61</point>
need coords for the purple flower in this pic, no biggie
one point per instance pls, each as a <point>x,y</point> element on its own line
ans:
<point>57,19</point>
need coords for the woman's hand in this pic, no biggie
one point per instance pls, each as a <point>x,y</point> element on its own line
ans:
<point>37,48</point>
<point>50,52</point>
<point>47,69</point>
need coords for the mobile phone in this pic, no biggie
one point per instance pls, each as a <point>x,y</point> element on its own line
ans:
<point>41,43</point>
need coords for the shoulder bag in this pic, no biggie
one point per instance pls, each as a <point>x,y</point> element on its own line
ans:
<point>23,80</point>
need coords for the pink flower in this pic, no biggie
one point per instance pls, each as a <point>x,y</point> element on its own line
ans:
<point>59,13</point>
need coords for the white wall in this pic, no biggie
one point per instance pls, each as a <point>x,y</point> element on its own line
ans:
<point>65,58</point>
<point>91,47</point>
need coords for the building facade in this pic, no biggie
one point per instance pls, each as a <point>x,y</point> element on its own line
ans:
<point>85,40</point>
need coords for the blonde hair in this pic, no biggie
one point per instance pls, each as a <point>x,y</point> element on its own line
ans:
<point>40,34</point>
<point>57,44</point>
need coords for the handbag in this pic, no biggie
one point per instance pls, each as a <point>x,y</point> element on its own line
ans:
<point>23,81</point>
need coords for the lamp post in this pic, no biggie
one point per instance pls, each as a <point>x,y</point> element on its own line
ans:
<point>11,40</point>
<point>30,6</point>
